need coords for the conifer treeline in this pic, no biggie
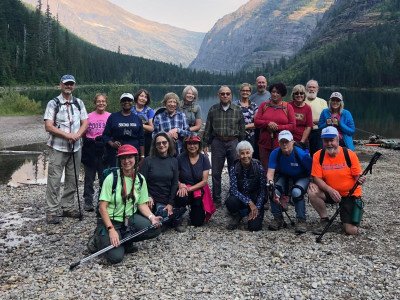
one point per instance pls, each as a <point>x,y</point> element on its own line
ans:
<point>36,49</point>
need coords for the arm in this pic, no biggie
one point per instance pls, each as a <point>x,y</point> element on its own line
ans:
<point>146,212</point>
<point>174,181</point>
<point>346,123</point>
<point>208,132</point>
<point>322,119</point>
<point>263,184</point>
<point>149,127</point>
<point>242,127</point>
<point>233,190</point>
<point>259,121</point>
<point>185,130</point>
<point>334,194</point>
<point>196,126</point>
<point>114,236</point>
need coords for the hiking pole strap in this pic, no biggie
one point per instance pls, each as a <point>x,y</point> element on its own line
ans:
<point>72,266</point>
<point>373,161</point>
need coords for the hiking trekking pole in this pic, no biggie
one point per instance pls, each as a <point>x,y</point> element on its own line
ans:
<point>76,182</point>
<point>271,191</point>
<point>373,160</point>
<point>104,250</point>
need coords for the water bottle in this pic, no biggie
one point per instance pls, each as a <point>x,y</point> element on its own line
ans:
<point>357,212</point>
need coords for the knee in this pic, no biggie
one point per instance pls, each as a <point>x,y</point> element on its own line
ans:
<point>115,257</point>
<point>297,194</point>
<point>232,204</point>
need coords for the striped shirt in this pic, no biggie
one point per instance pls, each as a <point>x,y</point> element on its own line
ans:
<point>221,123</point>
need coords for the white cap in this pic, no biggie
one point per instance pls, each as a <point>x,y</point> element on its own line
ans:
<point>126,95</point>
<point>336,95</point>
<point>285,135</point>
<point>329,132</point>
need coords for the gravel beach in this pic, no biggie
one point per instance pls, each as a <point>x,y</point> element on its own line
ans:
<point>202,263</point>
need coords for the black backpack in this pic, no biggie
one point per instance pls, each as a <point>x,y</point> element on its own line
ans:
<point>58,106</point>
<point>346,156</point>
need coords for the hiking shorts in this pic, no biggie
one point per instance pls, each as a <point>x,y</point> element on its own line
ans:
<point>346,208</point>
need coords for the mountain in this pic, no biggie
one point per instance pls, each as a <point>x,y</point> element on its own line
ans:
<point>356,43</point>
<point>110,27</point>
<point>259,31</point>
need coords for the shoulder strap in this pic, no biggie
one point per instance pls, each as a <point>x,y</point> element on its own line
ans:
<point>322,156</point>
<point>76,103</point>
<point>115,180</point>
<point>140,180</point>
<point>346,156</point>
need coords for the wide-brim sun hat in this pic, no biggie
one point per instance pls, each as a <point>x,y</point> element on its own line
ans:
<point>126,95</point>
<point>127,150</point>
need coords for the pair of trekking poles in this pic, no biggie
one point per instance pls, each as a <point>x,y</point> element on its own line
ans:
<point>271,192</point>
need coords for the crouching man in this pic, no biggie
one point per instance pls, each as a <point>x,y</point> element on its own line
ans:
<point>247,189</point>
<point>288,164</point>
<point>335,170</point>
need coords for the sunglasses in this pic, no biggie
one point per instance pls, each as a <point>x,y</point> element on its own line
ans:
<point>335,100</point>
<point>248,91</point>
<point>126,100</point>
<point>225,94</point>
<point>69,83</point>
<point>298,93</point>
<point>164,143</point>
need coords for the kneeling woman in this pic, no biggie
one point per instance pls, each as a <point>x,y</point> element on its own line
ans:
<point>247,189</point>
<point>118,209</point>
<point>193,177</point>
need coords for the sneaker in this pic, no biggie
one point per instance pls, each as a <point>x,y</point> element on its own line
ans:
<point>91,244</point>
<point>276,224</point>
<point>53,219</point>
<point>71,214</point>
<point>321,226</point>
<point>180,228</point>
<point>301,226</point>
<point>234,223</point>
<point>88,207</point>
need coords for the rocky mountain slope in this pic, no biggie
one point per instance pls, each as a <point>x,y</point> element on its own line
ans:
<point>109,26</point>
<point>259,31</point>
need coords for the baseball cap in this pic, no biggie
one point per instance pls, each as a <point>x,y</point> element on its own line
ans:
<point>127,150</point>
<point>285,135</point>
<point>193,138</point>
<point>67,78</point>
<point>126,95</point>
<point>329,132</point>
<point>336,95</point>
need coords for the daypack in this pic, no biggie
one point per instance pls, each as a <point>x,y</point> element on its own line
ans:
<point>346,156</point>
<point>58,106</point>
<point>269,103</point>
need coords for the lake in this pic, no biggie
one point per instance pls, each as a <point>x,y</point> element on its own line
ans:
<point>373,112</point>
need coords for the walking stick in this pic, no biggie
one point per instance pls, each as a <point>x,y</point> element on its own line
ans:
<point>76,182</point>
<point>373,160</point>
<point>104,250</point>
<point>271,191</point>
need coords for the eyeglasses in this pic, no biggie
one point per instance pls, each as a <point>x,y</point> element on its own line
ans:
<point>164,143</point>
<point>248,91</point>
<point>225,93</point>
<point>126,157</point>
<point>126,100</point>
<point>298,93</point>
<point>69,83</point>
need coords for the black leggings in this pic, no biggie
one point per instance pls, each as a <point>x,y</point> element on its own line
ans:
<point>197,214</point>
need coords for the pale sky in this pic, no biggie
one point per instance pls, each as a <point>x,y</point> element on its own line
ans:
<point>195,15</point>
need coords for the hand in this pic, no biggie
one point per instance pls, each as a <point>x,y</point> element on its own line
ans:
<point>335,121</point>
<point>183,190</point>
<point>205,151</point>
<point>273,126</point>
<point>253,211</point>
<point>334,194</point>
<point>173,133</point>
<point>329,121</point>
<point>114,237</point>
<point>169,209</point>
<point>277,199</point>
<point>150,203</point>
<point>116,144</point>
<point>156,221</point>
<point>361,179</point>
<point>312,187</point>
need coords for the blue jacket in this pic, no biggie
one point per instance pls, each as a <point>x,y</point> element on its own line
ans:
<point>346,125</point>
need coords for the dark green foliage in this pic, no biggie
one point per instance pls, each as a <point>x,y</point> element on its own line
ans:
<point>47,50</point>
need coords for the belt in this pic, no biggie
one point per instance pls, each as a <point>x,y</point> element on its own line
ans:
<point>226,138</point>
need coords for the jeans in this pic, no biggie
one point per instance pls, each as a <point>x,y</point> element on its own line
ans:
<point>297,192</point>
<point>235,207</point>
<point>176,218</point>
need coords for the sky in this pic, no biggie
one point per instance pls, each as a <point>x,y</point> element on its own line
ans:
<point>195,15</point>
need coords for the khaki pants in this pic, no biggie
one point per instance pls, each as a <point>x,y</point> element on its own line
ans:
<point>58,161</point>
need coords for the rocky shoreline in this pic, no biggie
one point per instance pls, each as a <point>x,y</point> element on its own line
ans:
<point>208,262</point>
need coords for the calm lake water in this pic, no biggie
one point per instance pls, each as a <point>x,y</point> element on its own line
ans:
<point>373,112</point>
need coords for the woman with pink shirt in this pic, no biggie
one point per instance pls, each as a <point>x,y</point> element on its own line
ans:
<point>93,148</point>
<point>273,116</point>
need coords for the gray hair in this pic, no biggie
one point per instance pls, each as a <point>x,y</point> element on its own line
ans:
<point>244,145</point>
<point>310,81</point>
<point>169,96</point>
<point>190,88</point>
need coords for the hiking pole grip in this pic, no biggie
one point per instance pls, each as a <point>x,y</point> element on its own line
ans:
<point>74,265</point>
<point>372,161</point>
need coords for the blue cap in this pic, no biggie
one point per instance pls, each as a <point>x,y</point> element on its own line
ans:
<point>67,78</point>
<point>329,132</point>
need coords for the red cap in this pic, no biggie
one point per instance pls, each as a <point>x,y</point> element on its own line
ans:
<point>193,138</point>
<point>127,150</point>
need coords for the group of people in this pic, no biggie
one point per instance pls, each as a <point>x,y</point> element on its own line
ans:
<point>159,160</point>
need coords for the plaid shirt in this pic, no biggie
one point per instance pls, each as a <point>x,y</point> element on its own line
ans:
<point>68,119</point>
<point>165,122</point>
<point>221,123</point>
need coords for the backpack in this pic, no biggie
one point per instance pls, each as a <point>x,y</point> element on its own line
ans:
<point>284,106</point>
<point>58,106</point>
<point>296,157</point>
<point>346,156</point>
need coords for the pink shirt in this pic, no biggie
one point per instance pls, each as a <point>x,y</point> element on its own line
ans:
<point>97,123</point>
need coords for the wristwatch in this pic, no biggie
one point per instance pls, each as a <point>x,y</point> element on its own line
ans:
<point>110,227</point>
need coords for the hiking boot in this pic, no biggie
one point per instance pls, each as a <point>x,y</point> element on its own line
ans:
<point>131,248</point>
<point>234,223</point>
<point>88,207</point>
<point>53,219</point>
<point>71,214</point>
<point>180,228</point>
<point>301,226</point>
<point>276,224</point>
<point>321,226</point>
<point>91,244</point>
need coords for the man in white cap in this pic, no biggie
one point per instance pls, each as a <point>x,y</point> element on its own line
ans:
<point>288,164</point>
<point>335,170</point>
<point>66,121</point>
<point>317,106</point>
